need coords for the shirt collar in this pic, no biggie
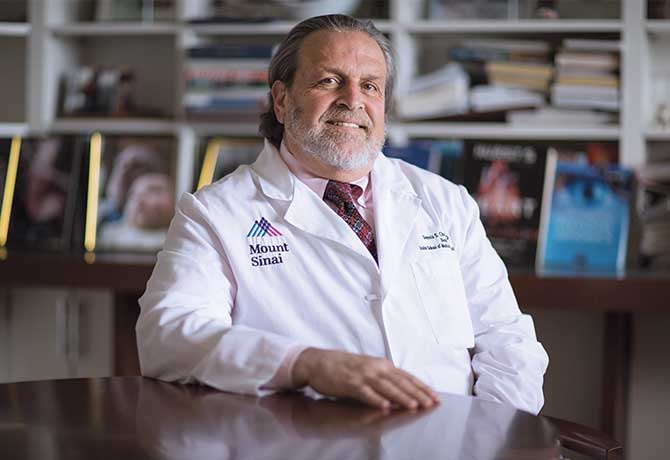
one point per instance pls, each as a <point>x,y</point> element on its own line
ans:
<point>315,183</point>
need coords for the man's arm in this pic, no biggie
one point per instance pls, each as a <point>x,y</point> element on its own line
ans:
<point>185,331</point>
<point>508,361</point>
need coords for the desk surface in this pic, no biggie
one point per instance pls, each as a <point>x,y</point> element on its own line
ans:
<point>134,417</point>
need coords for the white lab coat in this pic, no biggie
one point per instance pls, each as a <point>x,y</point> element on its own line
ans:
<point>223,309</point>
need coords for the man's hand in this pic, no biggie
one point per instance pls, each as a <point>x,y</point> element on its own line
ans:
<point>374,381</point>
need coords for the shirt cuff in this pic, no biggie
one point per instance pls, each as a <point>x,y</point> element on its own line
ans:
<point>282,379</point>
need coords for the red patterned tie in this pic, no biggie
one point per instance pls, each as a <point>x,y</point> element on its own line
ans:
<point>341,196</point>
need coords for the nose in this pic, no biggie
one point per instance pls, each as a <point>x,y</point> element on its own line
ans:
<point>350,96</point>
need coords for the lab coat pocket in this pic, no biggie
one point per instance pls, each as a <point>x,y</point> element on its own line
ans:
<point>440,286</point>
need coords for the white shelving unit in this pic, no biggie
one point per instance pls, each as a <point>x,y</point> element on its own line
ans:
<point>122,126</point>
<point>55,39</point>
<point>113,29</point>
<point>14,29</point>
<point>515,27</point>
<point>504,131</point>
<point>13,129</point>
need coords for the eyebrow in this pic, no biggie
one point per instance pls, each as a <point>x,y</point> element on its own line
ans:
<point>364,77</point>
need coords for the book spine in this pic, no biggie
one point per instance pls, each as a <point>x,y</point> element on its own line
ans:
<point>547,189</point>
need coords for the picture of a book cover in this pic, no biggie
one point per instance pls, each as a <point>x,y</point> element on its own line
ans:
<point>135,177</point>
<point>585,217</point>
<point>219,156</point>
<point>44,198</point>
<point>506,179</point>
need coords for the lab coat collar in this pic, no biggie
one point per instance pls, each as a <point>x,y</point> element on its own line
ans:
<point>306,210</point>
<point>396,208</point>
<point>277,182</point>
<point>274,177</point>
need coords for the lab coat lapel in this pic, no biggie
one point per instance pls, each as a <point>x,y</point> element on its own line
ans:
<point>396,209</point>
<point>306,210</point>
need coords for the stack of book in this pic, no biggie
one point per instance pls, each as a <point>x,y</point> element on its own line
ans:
<point>226,82</point>
<point>436,94</point>
<point>655,215</point>
<point>587,75</point>
<point>506,74</point>
<point>526,75</point>
<point>556,116</point>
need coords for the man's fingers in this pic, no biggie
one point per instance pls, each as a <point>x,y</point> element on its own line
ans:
<point>396,394</point>
<point>425,388</point>
<point>424,399</point>
<point>370,396</point>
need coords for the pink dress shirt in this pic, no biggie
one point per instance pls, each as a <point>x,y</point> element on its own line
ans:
<point>364,205</point>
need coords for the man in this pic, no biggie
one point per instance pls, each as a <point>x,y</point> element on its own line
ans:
<point>326,265</point>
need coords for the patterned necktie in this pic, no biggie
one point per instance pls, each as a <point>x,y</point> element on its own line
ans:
<point>340,195</point>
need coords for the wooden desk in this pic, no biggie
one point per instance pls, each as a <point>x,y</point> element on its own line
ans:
<point>133,417</point>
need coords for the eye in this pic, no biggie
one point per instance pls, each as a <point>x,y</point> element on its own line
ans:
<point>328,81</point>
<point>370,87</point>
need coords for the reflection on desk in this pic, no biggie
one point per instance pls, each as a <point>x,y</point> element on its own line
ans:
<point>134,417</point>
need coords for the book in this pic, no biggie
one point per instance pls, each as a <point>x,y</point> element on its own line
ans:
<point>585,217</point>
<point>548,116</point>
<point>655,215</point>
<point>413,153</point>
<point>585,44</point>
<point>485,98</point>
<point>436,94</point>
<point>506,180</point>
<point>587,60</point>
<point>45,182</point>
<point>131,193</point>
<point>521,69</point>
<point>220,156</point>
<point>443,157</point>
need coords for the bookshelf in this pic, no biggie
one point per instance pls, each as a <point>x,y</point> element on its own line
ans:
<point>58,36</point>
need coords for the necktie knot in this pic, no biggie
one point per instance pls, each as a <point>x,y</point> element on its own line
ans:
<point>341,195</point>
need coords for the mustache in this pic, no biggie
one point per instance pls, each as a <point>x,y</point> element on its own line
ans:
<point>338,114</point>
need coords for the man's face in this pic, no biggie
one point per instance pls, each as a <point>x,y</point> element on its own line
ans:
<point>333,113</point>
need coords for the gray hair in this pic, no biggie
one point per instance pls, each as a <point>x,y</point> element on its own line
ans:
<point>284,63</point>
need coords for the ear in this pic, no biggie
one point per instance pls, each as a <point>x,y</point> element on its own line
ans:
<point>279,94</point>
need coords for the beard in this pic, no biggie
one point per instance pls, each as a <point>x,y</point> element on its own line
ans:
<point>332,145</point>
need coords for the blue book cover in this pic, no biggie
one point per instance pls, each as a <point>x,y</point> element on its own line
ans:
<point>443,157</point>
<point>584,225</point>
<point>413,153</point>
